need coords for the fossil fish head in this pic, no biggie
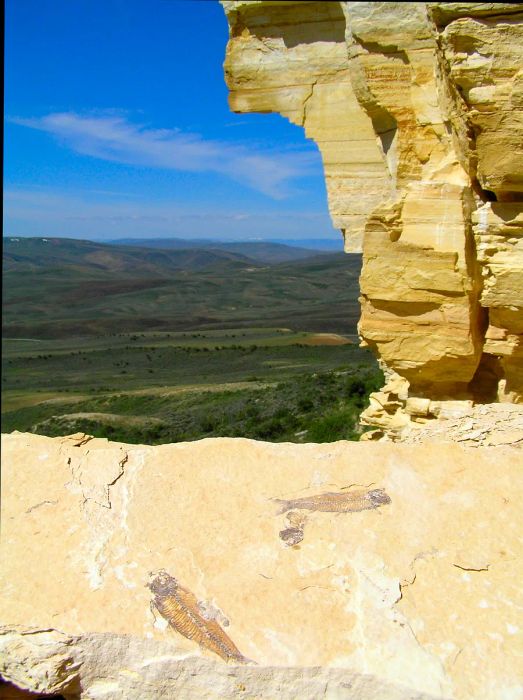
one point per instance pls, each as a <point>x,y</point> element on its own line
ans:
<point>161,583</point>
<point>378,497</point>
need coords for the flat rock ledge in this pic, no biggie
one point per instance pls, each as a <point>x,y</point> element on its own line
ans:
<point>411,590</point>
<point>482,425</point>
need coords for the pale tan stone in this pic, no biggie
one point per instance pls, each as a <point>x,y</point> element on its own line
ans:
<point>382,600</point>
<point>498,229</point>
<point>418,407</point>
<point>292,58</point>
<point>416,109</point>
<point>472,426</point>
<point>485,57</point>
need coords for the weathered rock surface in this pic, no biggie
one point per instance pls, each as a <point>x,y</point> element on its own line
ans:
<point>418,598</point>
<point>417,112</point>
<point>458,421</point>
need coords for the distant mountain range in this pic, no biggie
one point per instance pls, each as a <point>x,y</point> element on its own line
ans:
<point>90,258</point>
<point>159,251</point>
<point>273,251</point>
<point>57,287</point>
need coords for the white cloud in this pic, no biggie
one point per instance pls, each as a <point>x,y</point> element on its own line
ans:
<point>114,138</point>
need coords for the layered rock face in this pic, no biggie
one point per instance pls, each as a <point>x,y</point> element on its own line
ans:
<point>229,568</point>
<point>416,110</point>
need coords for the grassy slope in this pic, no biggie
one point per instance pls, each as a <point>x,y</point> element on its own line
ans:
<point>316,407</point>
<point>86,359</point>
<point>138,365</point>
<point>63,288</point>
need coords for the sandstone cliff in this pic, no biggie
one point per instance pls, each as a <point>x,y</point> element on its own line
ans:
<point>416,110</point>
<point>418,598</point>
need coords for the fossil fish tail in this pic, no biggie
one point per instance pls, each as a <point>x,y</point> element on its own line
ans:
<point>283,506</point>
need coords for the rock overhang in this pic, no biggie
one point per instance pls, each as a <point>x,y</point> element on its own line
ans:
<point>415,109</point>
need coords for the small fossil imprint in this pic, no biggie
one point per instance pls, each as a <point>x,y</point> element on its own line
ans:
<point>187,616</point>
<point>291,535</point>
<point>296,519</point>
<point>332,502</point>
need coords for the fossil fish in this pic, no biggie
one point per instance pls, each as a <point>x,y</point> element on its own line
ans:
<point>181,609</point>
<point>332,502</point>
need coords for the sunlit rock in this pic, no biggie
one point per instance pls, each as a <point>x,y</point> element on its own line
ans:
<point>411,593</point>
<point>416,110</point>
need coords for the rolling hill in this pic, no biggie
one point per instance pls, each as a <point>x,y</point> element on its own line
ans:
<point>261,251</point>
<point>161,345</point>
<point>88,257</point>
<point>56,287</point>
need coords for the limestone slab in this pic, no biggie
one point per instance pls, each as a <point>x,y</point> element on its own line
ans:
<point>386,599</point>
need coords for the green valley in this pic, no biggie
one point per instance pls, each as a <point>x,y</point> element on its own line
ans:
<point>159,345</point>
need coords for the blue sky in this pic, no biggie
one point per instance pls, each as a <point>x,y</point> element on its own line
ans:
<point>117,125</point>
